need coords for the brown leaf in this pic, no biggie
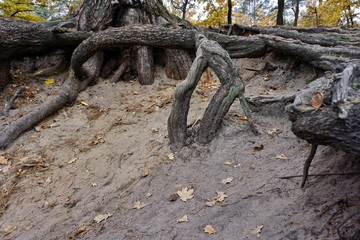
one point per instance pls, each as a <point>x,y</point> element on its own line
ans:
<point>209,229</point>
<point>258,147</point>
<point>227,180</point>
<point>173,197</point>
<point>9,229</point>
<point>220,196</point>
<point>282,157</point>
<point>228,163</point>
<point>170,156</point>
<point>317,100</point>
<point>256,231</point>
<point>3,160</point>
<point>139,205</point>
<point>243,118</point>
<point>102,217</point>
<point>186,194</point>
<point>182,219</point>
<point>210,203</point>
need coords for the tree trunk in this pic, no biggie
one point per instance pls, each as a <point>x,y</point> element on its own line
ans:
<point>229,14</point>
<point>280,13</point>
<point>296,13</point>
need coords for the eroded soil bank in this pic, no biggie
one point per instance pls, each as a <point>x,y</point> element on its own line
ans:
<point>108,156</point>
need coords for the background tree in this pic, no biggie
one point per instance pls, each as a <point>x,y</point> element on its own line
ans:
<point>22,9</point>
<point>183,6</point>
<point>330,13</point>
<point>255,12</point>
<point>280,13</point>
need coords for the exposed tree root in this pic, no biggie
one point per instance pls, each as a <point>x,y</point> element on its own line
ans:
<point>209,54</point>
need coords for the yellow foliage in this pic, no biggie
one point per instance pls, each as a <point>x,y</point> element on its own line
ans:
<point>21,9</point>
<point>329,13</point>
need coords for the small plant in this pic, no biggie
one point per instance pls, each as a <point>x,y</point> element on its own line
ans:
<point>357,86</point>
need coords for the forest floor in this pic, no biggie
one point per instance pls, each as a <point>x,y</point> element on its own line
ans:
<point>103,169</point>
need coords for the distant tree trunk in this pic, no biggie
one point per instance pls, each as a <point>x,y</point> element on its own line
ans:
<point>296,13</point>
<point>229,18</point>
<point>280,13</point>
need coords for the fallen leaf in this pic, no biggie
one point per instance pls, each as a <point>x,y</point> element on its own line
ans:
<point>72,160</point>
<point>272,131</point>
<point>55,124</point>
<point>258,147</point>
<point>282,157</point>
<point>227,163</point>
<point>38,128</point>
<point>209,229</point>
<point>139,205</point>
<point>210,203</point>
<point>171,156</point>
<point>317,100</point>
<point>220,196</point>
<point>149,194</point>
<point>93,184</point>
<point>173,197</point>
<point>243,118</point>
<point>80,230</point>
<point>9,229</point>
<point>49,81</point>
<point>84,103</point>
<point>102,217</point>
<point>3,160</point>
<point>256,231</point>
<point>186,194</point>
<point>145,173</point>
<point>227,180</point>
<point>182,219</point>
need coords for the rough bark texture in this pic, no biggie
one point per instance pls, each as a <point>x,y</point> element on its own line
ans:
<point>145,65</point>
<point>209,54</point>
<point>16,40</point>
<point>178,63</point>
<point>280,13</point>
<point>337,122</point>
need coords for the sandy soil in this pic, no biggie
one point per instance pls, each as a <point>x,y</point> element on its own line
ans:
<point>103,169</point>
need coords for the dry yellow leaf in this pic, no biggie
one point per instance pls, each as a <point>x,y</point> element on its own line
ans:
<point>102,217</point>
<point>139,205</point>
<point>220,196</point>
<point>282,157</point>
<point>227,163</point>
<point>3,160</point>
<point>209,229</point>
<point>182,219</point>
<point>227,180</point>
<point>256,231</point>
<point>149,194</point>
<point>84,103</point>
<point>49,81</point>
<point>186,194</point>
<point>9,229</point>
<point>243,118</point>
<point>210,203</point>
<point>72,160</point>
<point>317,100</point>
<point>170,156</point>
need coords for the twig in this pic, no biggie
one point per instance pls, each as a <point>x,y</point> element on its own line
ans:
<point>308,163</point>
<point>10,103</point>
<point>321,175</point>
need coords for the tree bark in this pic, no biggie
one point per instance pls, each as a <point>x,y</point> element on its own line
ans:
<point>178,63</point>
<point>209,54</point>
<point>280,13</point>
<point>337,122</point>
<point>296,12</point>
<point>229,14</point>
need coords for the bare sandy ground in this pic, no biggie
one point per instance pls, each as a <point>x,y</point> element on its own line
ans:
<point>102,168</point>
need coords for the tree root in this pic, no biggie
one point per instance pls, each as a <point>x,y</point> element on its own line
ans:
<point>209,54</point>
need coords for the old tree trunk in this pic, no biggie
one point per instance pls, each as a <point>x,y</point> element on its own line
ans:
<point>117,39</point>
